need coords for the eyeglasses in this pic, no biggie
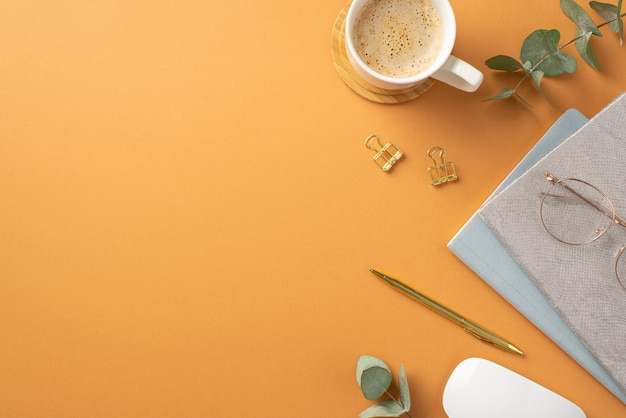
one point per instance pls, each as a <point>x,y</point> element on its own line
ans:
<point>576,213</point>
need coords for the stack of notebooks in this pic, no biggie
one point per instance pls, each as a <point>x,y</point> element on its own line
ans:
<point>569,292</point>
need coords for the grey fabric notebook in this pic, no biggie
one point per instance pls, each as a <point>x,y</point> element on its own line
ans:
<point>480,250</point>
<point>578,281</point>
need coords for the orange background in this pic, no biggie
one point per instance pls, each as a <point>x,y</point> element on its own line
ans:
<point>188,211</point>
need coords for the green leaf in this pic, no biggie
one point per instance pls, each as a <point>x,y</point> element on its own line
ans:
<point>612,14</point>
<point>608,12</point>
<point>373,376</point>
<point>403,386</point>
<point>578,15</point>
<point>537,77</point>
<point>504,63</point>
<point>504,94</point>
<point>366,362</point>
<point>620,23</point>
<point>541,48</point>
<point>383,409</point>
<point>583,46</point>
<point>374,382</point>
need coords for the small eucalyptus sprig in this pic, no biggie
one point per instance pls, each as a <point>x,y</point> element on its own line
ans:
<point>374,379</point>
<point>542,56</point>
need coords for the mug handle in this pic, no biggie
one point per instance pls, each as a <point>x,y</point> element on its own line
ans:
<point>459,74</point>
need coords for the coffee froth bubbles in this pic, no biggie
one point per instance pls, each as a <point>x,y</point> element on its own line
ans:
<point>398,38</point>
<point>400,44</point>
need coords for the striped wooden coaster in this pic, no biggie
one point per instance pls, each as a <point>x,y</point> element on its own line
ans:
<point>356,82</point>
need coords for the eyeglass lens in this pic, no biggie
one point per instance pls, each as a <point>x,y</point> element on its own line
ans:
<point>575,212</point>
<point>620,267</point>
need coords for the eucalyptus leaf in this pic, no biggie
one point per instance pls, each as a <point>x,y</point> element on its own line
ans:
<point>583,46</point>
<point>365,362</point>
<point>537,77</point>
<point>373,376</point>
<point>611,14</point>
<point>578,15</point>
<point>620,23</point>
<point>608,12</point>
<point>504,94</point>
<point>384,409</point>
<point>541,48</point>
<point>374,382</point>
<point>403,386</point>
<point>504,63</point>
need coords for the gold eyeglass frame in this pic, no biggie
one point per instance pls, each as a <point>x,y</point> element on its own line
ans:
<point>608,212</point>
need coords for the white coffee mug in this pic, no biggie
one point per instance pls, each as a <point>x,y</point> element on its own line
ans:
<point>445,67</point>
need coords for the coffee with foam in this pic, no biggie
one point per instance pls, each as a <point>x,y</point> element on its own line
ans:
<point>398,38</point>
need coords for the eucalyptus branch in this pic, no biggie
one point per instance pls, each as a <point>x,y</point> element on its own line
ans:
<point>374,378</point>
<point>542,56</point>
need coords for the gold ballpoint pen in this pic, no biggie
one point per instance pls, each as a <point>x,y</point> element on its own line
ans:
<point>469,326</point>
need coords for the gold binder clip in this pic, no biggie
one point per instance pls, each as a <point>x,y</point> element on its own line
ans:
<point>387,155</point>
<point>442,171</point>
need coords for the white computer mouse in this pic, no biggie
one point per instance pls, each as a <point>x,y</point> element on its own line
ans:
<point>478,388</point>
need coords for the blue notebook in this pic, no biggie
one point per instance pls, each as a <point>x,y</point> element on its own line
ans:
<point>481,251</point>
